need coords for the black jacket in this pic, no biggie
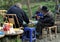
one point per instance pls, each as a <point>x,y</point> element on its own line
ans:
<point>21,15</point>
<point>47,20</point>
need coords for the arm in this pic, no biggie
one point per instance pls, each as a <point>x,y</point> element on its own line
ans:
<point>25,17</point>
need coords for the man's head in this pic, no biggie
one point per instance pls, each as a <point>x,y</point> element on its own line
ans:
<point>44,9</point>
<point>19,5</point>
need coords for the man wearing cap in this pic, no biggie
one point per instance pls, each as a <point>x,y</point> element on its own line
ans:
<point>46,21</point>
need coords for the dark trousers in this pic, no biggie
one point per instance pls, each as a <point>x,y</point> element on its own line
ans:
<point>39,28</point>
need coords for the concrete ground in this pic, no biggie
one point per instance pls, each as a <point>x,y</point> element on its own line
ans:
<point>48,40</point>
<point>57,39</point>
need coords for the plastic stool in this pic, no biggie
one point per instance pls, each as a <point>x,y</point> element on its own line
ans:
<point>29,34</point>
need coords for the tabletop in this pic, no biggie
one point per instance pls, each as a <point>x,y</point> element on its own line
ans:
<point>16,33</point>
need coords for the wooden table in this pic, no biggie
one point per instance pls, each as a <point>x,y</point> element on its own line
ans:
<point>13,37</point>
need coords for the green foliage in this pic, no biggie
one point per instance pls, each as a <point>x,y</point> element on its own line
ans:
<point>34,6</point>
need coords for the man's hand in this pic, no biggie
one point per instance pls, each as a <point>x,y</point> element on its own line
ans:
<point>38,17</point>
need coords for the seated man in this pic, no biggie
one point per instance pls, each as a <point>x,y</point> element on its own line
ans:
<point>46,21</point>
<point>21,15</point>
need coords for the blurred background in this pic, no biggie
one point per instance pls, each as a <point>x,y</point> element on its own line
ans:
<point>30,6</point>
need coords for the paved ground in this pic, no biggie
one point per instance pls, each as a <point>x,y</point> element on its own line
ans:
<point>47,39</point>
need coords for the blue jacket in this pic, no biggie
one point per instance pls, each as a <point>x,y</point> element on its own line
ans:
<point>21,15</point>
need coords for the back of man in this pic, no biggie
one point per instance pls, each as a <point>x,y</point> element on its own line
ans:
<point>21,15</point>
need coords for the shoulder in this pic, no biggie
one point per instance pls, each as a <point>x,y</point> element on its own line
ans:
<point>12,8</point>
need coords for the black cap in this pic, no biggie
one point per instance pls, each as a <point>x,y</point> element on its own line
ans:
<point>44,8</point>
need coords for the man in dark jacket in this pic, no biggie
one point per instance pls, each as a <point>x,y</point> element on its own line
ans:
<point>21,15</point>
<point>46,21</point>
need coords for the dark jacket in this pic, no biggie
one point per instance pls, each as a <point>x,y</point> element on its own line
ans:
<point>47,20</point>
<point>21,15</point>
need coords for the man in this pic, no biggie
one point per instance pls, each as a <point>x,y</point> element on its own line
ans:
<point>46,21</point>
<point>21,15</point>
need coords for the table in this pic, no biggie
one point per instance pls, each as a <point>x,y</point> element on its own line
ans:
<point>13,37</point>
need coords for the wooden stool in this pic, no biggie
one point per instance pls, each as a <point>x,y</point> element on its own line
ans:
<point>49,29</point>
